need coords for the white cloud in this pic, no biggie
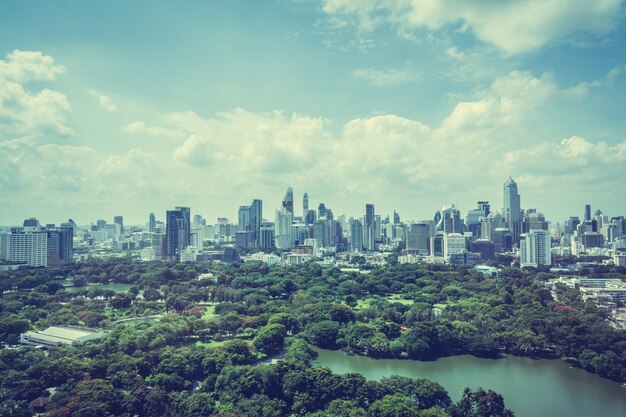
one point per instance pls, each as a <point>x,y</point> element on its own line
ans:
<point>23,112</point>
<point>25,66</point>
<point>512,26</point>
<point>386,77</point>
<point>155,131</point>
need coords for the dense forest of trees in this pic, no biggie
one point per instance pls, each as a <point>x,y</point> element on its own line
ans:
<point>215,324</point>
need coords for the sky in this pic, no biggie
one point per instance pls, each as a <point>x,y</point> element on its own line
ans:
<point>130,107</point>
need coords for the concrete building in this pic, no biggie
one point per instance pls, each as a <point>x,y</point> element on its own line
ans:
<point>58,335</point>
<point>535,248</point>
<point>512,209</point>
<point>453,243</point>
<point>25,245</point>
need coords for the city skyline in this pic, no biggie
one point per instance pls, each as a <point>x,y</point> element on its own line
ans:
<point>408,106</point>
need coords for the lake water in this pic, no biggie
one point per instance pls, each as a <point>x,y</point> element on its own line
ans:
<point>69,286</point>
<point>530,387</point>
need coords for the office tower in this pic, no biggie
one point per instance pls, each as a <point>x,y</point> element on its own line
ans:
<point>485,207</point>
<point>256,218</point>
<point>151,223</point>
<point>311,216</point>
<point>60,242</point>
<point>571,225</point>
<point>198,221</point>
<point>587,211</point>
<point>243,215</point>
<point>502,239</point>
<point>100,224</point>
<point>283,230</point>
<point>453,243</point>
<point>486,227</point>
<point>437,244</point>
<point>396,218</point>
<point>24,245</point>
<point>369,228</point>
<point>243,239</point>
<point>484,247</point>
<point>512,209</point>
<point>474,217</point>
<point>305,205</point>
<point>31,222</point>
<point>418,238</point>
<point>186,211</point>
<point>267,236</point>
<point>119,220</point>
<point>356,236</point>
<point>177,233</point>
<point>535,248</point>
<point>448,220</point>
<point>534,220</point>
<point>71,225</point>
<point>321,211</point>
<point>288,200</point>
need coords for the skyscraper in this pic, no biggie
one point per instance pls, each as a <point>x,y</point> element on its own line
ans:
<point>243,225</point>
<point>288,200</point>
<point>283,229</point>
<point>512,209</point>
<point>26,245</point>
<point>60,245</point>
<point>177,232</point>
<point>305,205</point>
<point>119,220</point>
<point>535,248</point>
<point>356,236</point>
<point>369,229</point>
<point>186,211</point>
<point>587,211</point>
<point>256,217</point>
<point>151,223</point>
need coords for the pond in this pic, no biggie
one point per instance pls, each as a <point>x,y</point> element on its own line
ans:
<point>529,387</point>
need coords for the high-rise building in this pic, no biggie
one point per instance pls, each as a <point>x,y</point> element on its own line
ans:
<point>453,243</point>
<point>535,248</point>
<point>418,238</point>
<point>256,218</point>
<point>512,209</point>
<point>267,236</point>
<point>243,225</point>
<point>288,200</point>
<point>71,225</point>
<point>25,245</point>
<point>177,232</point>
<point>396,218</point>
<point>60,245</point>
<point>356,236</point>
<point>283,229</point>
<point>305,205</point>
<point>369,228</point>
<point>448,220</point>
<point>186,211</point>
<point>31,222</point>
<point>587,211</point>
<point>151,223</point>
<point>311,216</point>
<point>119,220</point>
<point>534,220</point>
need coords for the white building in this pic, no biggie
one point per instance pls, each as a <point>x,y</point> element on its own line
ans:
<point>29,246</point>
<point>535,248</point>
<point>284,231</point>
<point>453,243</point>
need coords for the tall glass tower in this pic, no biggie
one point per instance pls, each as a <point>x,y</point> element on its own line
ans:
<point>512,210</point>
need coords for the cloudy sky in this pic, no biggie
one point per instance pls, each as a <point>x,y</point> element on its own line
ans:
<point>127,107</point>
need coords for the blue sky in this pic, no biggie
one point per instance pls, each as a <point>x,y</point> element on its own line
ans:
<point>124,107</point>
